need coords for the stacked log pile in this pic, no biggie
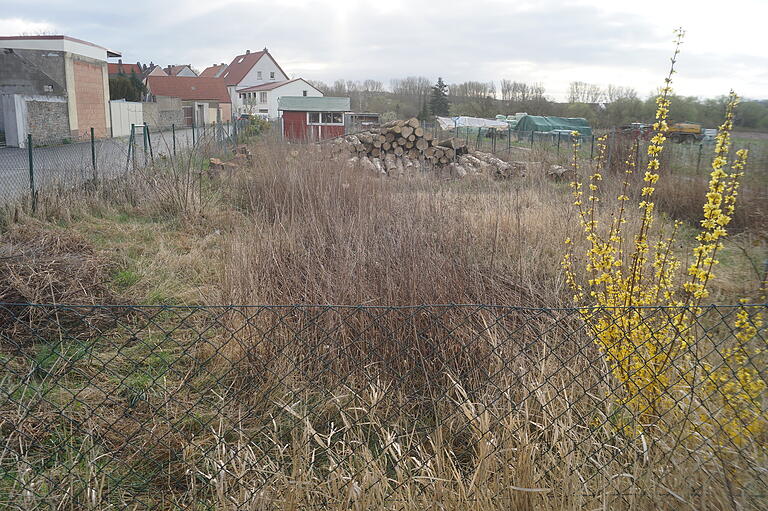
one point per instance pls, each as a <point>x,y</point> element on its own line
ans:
<point>401,147</point>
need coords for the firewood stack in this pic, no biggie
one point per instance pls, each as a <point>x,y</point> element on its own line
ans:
<point>400,147</point>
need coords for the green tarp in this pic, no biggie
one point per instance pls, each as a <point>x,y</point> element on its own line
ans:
<point>542,123</point>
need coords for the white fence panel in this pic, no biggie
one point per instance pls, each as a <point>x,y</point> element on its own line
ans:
<point>125,113</point>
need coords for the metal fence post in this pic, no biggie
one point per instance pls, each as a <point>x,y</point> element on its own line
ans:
<point>93,154</point>
<point>148,137</point>
<point>698,158</point>
<point>592,149</point>
<point>31,173</point>
<point>132,141</point>
<point>193,133</point>
<point>558,143</point>
<point>146,142</point>
<point>531,139</point>
<point>173,136</point>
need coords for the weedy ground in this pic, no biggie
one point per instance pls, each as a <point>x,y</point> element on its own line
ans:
<point>295,227</point>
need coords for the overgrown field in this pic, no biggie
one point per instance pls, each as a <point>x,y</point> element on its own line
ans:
<point>380,405</point>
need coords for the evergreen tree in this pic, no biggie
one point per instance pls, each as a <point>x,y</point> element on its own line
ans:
<point>438,101</point>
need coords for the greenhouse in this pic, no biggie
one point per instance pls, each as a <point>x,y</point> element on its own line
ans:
<point>541,123</point>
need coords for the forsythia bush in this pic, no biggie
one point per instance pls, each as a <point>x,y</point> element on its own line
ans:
<point>649,354</point>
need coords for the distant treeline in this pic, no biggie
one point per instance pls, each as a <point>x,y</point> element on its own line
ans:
<point>603,107</point>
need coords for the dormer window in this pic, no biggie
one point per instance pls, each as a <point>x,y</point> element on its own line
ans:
<point>271,75</point>
<point>258,75</point>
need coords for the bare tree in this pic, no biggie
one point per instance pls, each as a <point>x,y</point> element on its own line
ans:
<point>372,86</point>
<point>615,93</point>
<point>582,92</point>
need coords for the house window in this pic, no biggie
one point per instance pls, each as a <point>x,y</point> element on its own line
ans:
<point>304,93</point>
<point>263,111</point>
<point>272,75</point>
<point>258,75</point>
<point>263,97</point>
<point>313,118</point>
<point>332,118</point>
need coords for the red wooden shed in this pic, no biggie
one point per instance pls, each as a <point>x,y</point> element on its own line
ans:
<point>312,118</point>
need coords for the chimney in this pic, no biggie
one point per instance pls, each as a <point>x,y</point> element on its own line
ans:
<point>120,61</point>
<point>247,52</point>
<point>266,50</point>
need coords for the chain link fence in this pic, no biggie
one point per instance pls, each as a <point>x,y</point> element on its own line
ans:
<point>364,407</point>
<point>49,165</point>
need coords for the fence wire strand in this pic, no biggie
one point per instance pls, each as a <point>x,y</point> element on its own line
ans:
<point>266,407</point>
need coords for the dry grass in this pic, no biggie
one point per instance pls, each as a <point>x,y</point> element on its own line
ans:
<point>436,409</point>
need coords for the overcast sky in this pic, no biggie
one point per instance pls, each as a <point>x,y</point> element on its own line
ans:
<point>550,41</point>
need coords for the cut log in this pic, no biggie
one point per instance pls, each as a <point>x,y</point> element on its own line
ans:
<point>386,146</point>
<point>422,144</point>
<point>401,141</point>
<point>398,150</point>
<point>375,152</point>
<point>409,145</point>
<point>419,132</point>
<point>411,138</point>
<point>377,142</point>
<point>390,137</point>
<point>407,131</point>
<point>413,122</point>
<point>428,137</point>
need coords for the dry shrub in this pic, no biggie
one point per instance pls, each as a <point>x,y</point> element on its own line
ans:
<point>319,233</point>
<point>681,198</point>
<point>39,265</point>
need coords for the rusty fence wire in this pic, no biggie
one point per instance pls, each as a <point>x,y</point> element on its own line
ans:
<point>366,407</point>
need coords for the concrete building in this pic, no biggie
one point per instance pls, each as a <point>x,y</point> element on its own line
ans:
<point>203,100</point>
<point>53,87</point>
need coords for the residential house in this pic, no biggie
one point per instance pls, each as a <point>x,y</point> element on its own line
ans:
<point>312,118</point>
<point>214,71</point>
<point>183,70</point>
<point>204,100</point>
<point>121,69</point>
<point>54,87</point>
<point>263,99</point>
<point>253,69</point>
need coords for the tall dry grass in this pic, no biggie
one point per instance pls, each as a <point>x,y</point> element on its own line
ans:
<point>412,408</point>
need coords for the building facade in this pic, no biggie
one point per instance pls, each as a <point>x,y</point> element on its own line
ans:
<point>263,99</point>
<point>306,118</point>
<point>203,100</point>
<point>54,88</point>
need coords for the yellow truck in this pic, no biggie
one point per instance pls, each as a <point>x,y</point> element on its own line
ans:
<point>685,132</point>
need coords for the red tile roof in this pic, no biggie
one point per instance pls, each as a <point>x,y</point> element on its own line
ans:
<point>213,70</point>
<point>189,88</point>
<point>175,70</point>
<point>242,64</point>
<point>116,69</point>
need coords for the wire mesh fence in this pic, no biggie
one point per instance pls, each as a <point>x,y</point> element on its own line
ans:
<point>48,165</point>
<point>364,407</point>
<point>686,158</point>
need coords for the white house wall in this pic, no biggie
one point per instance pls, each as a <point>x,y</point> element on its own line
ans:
<point>291,89</point>
<point>266,65</point>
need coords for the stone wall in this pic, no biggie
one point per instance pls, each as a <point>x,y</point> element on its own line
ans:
<point>163,112</point>
<point>48,120</point>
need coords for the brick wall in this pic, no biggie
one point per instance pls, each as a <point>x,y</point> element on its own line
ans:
<point>48,121</point>
<point>89,95</point>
